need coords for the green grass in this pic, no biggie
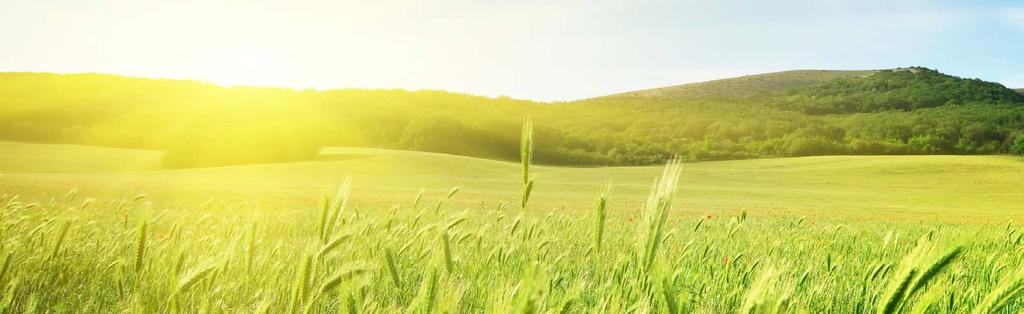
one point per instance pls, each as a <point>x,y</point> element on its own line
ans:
<point>53,158</point>
<point>818,234</point>
<point>921,188</point>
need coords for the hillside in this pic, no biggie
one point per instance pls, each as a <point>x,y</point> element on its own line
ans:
<point>745,86</point>
<point>1020,90</point>
<point>796,113</point>
<point>901,89</point>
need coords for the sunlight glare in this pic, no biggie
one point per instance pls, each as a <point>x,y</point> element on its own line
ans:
<point>250,67</point>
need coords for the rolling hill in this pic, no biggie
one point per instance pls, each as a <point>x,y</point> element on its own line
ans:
<point>904,89</point>
<point>1020,90</point>
<point>794,113</point>
<point>744,86</point>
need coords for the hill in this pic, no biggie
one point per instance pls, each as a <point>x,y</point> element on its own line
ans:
<point>969,188</point>
<point>899,111</point>
<point>899,89</point>
<point>1019,90</point>
<point>745,86</point>
<point>797,113</point>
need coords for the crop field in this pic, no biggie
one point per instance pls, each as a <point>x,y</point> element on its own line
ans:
<point>369,230</point>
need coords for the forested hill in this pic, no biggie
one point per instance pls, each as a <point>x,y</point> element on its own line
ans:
<point>745,86</point>
<point>901,89</point>
<point>794,113</point>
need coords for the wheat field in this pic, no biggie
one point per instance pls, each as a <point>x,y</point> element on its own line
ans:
<point>70,252</point>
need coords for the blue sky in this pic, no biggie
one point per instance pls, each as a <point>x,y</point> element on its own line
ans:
<point>543,50</point>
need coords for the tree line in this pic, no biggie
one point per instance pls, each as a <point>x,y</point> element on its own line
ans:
<point>907,111</point>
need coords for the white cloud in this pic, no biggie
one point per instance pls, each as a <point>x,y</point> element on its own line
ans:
<point>1016,81</point>
<point>1014,17</point>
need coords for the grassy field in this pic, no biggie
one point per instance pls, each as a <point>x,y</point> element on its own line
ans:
<point>111,232</point>
<point>49,158</point>
<point>921,188</point>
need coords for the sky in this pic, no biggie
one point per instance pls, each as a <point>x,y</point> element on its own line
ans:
<point>547,50</point>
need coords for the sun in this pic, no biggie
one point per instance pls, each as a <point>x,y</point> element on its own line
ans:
<point>250,67</point>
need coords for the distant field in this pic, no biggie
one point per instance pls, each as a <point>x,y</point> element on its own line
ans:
<point>54,158</point>
<point>944,188</point>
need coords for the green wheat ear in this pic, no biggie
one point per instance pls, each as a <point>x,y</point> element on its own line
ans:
<point>526,157</point>
<point>1006,292</point>
<point>389,263</point>
<point>418,199</point>
<point>140,246</point>
<point>61,236</point>
<point>452,192</point>
<point>918,268</point>
<point>659,203</point>
<point>600,215</point>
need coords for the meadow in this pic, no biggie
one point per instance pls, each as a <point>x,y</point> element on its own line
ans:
<point>371,230</point>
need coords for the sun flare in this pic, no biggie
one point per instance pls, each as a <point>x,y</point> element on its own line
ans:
<point>250,67</point>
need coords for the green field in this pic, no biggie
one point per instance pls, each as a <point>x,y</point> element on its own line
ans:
<point>924,188</point>
<point>100,230</point>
